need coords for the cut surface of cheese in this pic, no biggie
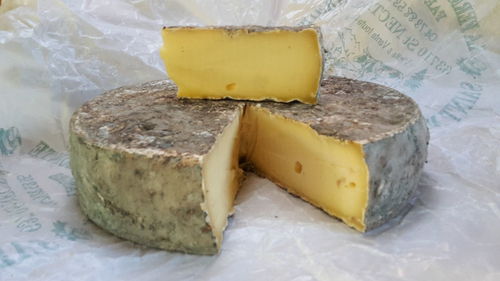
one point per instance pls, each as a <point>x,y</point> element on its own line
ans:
<point>164,172</point>
<point>142,175</point>
<point>221,177</point>
<point>328,172</point>
<point>245,63</point>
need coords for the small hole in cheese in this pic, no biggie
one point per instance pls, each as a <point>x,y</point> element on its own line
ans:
<point>352,185</point>
<point>341,182</point>
<point>298,167</point>
<point>230,86</point>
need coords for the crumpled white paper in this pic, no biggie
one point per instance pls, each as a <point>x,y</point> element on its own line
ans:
<point>55,55</point>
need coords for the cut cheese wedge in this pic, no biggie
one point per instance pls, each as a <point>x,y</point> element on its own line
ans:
<point>245,63</point>
<point>164,172</point>
<point>328,172</point>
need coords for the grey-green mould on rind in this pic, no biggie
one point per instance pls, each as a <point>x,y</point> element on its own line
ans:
<point>109,196</point>
<point>393,180</point>
<point>134,148</point>
<point>390,127</point>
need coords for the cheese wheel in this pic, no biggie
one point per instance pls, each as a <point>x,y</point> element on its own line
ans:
<point>164,172</point>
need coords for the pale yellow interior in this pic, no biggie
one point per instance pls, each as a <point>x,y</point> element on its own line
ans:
<point>280,65</point>
<point>221,178</point>
<point>327,172</point>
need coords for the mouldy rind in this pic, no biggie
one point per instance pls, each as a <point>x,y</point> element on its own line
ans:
<point>164,172</point>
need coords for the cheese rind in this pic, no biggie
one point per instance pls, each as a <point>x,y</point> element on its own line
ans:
<point>385,123</point>
<point>394,180</point>
<point>125,193</point>
<point>244,63</point>
<point>142,176</point>
<point>164,172</point>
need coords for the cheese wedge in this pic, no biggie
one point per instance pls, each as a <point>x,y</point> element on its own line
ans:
<point>300,160</point>
<point>155,169</point>
<point>164,172</point>
<point>244,63</point>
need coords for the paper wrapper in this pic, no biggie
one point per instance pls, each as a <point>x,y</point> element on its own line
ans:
<point>55,55</point>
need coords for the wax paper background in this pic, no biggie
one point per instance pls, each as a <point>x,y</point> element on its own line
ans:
<point>54,55</point>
